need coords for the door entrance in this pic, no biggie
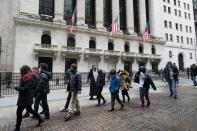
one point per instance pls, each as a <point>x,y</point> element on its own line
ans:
<point>48,61</point>
<point>181,62</point>
<point>128,67</point>
<point>69,62</point>
<point>142,64</point>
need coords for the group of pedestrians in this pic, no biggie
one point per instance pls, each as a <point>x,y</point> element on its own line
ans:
<point>35,83</point>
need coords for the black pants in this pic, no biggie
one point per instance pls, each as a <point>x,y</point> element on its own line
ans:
<point>43,98</point>
<point>99,95</point>
<point>20,111</point>
<point>68,100</point>
<point>144,93</point>
<point>125,93</point>
<point>115,96</point>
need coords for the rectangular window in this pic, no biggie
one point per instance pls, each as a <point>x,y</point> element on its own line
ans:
<point>170,25</point>
<point>188,6</point>
<point>175,2</point>
<point>176,25</point>
<point>171,37</point>
<point>169,10</point>
<point>179,3</point>
<point>189,16</point>
<point>184,5</point>
<point>181,39</point>
<point>191,41</point>
<point>185,15</point>
<point>181,27</point>
<point>187,40</point>
<point>186,28</point>
<point>177,39</point>
<point>175,12</point>
<point>168,1</point>
<point>165,24</point>
<point>164,0</point>
<point>164,8</point>
<point>179,13</point>
<point>166,35</point>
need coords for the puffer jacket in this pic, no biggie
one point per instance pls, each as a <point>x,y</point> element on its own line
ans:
<point>114,84</point>
<point>25,89</point>
<point>75,81</point>
<point>43,84</point>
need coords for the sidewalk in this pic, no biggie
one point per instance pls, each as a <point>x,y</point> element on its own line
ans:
<point>164,114</point>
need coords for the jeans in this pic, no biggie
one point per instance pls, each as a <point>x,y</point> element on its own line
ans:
<point>172,87</point>
<point>43,98</point>
<point>194,80</point>
<point>144,93</point>
<point>68,100</point>
<point>99,95</point>
<point>74,104</point>
<point>115,96</point>
<point>20,111</point>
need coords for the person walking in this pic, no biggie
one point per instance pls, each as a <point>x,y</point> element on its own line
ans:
<point>114,89</point>
<point>125,84</point>
<point>35,77</point>
<point>65,109</point>
<point>75,89</point>
<point>100,83</point>
<point>25,98</point>
<point>188,72</point>
<point>43,89</point>
<point>92,75</point>
<point>171,73</point>
<point>193,73</point>
<point>144,81</point>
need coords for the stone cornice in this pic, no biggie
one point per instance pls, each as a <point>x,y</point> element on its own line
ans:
<point>24,20</point>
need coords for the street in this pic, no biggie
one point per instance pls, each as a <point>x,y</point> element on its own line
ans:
<point>165,113</point>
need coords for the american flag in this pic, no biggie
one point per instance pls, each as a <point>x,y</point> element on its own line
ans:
<point>73,20</point>
<point>145,33</point>
<point>114,27</point>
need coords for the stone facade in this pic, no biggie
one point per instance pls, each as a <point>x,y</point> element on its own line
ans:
<point>21,30</point>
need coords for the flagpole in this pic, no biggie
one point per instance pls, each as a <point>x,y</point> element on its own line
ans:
<point>116,16</point>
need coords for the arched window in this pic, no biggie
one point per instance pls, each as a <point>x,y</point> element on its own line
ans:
<point>46,7</point>
<point>71,42</point>
<point>46,39</point>
<point>92,44</point>
<point>141,48</point>
<point>110,46</point>
<point>69,7</point>
<point>153,49</point>
<point>123,24</point>
<point>126,47</point>
<point>90,13</point>
<point>107,14</point>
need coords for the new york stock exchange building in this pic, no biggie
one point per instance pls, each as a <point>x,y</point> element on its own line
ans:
<point>37,31</point>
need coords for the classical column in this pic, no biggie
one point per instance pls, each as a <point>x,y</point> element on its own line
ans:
<point>59,10</point>
<point>81,13</point>
<point>130,16</point>
<point>142,14</point>
<point>115,11</point>
<point>99,14</point>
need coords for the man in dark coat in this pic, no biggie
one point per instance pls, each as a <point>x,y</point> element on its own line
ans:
<point>171,75</point>
<point>25,99</point>
<point>43,89</point>
<point>193,73</point>
<point>92,75</point>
